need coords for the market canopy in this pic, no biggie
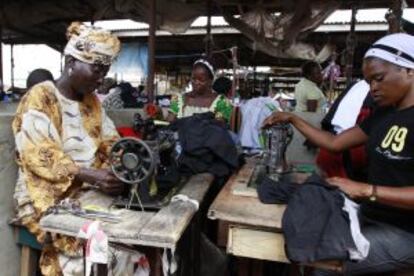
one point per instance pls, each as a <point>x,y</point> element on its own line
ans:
<point>34,21</point>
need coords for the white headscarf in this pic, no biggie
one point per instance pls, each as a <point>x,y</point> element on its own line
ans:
<point>395,48</point>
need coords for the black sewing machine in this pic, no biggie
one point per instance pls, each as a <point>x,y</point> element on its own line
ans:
<point>148,166</point>
<point>276,140</point>
<point>273,162</point>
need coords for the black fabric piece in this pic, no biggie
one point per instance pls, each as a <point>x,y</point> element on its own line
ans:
<point>128,95</point>
<point>314,225</point>
<point>206,146</point>
<point>275,192</point>
<point>377,117</point>
<point>167,177</point>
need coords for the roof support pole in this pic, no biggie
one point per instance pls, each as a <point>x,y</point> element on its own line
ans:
<point>208,29</point>
<point>62,63</point>
<point>151,51</point>
<point>1,58</point>
<point>350,48</point>
<point>254,82</point>
<point>235,82</point>
<point>12,66</point>
<point>395,15</point>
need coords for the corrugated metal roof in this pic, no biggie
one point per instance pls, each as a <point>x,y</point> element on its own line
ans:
<point>367,17</point>
<point>338,17</point>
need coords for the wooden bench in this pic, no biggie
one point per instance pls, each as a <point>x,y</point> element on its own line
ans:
<point>151,232</point>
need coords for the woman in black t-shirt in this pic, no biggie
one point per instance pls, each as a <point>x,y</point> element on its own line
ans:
<point>387,200</point>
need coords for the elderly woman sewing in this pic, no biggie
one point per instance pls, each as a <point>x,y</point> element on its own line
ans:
<point>387,200</point>
<point>63,137</point>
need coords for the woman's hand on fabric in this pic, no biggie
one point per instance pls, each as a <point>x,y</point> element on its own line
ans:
<point>353,189</point>
<point>107,182</point>
<point>277,118</point>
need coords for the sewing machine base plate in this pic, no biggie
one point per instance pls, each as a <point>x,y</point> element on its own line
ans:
<point>150,202</point>
<point>296,174</point>
<point>151,205</point>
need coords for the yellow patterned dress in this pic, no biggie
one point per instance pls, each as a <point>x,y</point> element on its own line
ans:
<point>54,137</point>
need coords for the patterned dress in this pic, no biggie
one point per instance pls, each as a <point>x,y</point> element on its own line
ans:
<point>221,106</point>
<point>54,136</point>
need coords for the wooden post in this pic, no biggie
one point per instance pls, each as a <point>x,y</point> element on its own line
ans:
<point>28,261</point>
<point>12,66</point>
<point>394,18</point>
<point>1,56</point>
<point>208,29</point>
<point>235,83</point>
<point>154,258</point>
<point>195,241</point>
<point>350,49</point>
<point>254,81</point>
<point>62,63</point>
<point>151,51</point>
<point>243,266</point>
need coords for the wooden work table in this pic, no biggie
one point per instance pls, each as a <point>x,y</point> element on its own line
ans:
<point>249,228</point>
<point>237,203</point>
<point>162,229</point>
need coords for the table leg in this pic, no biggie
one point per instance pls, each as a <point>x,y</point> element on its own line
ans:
<point>257,267</point>
<point>222,233</point>
<point>154,256</point>
<point>295,270</point>
<point>243,266</point>
<point>101,269</point>
<point>195,230</point>
<point>28,263</point>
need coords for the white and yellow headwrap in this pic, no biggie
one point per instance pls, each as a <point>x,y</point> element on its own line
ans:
<point>91,44</point>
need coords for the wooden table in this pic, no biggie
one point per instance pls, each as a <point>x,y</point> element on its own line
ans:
<point>247,227</point>
<point>156,230</point>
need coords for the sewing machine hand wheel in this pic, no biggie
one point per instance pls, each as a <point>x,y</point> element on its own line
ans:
<point>131,160</point>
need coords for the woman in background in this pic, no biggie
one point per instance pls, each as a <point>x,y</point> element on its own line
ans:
<point>202,98</point>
